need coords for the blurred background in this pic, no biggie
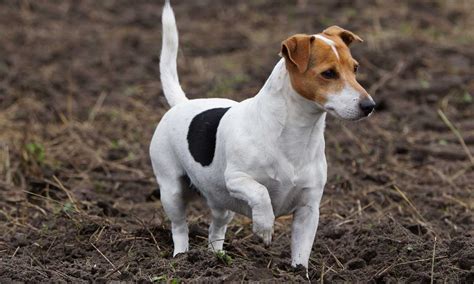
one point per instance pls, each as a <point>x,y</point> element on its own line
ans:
<point>80,97</point>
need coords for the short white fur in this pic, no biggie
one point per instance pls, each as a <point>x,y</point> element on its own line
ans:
<point>269,159</point>
<point>345,104</point>
<point>169,51</point>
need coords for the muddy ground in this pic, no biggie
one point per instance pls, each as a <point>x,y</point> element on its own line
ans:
<point>80,97</point>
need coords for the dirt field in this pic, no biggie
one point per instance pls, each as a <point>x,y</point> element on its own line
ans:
<point>80,97</point>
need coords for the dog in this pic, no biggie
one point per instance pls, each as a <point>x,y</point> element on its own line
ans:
<point>265,156</point>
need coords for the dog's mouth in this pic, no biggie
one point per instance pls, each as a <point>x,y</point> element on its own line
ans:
<point>333,112</point>
<point>351,117</point>
<point>330,110</point>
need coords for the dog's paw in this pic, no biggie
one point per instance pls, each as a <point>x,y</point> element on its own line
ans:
<point>300,269</point>
<point>265,235</point>
<point>180,250</point>
<point>263,227</point>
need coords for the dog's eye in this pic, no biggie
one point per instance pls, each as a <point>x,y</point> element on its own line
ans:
<point>356,68</point>
<point>329,74</point>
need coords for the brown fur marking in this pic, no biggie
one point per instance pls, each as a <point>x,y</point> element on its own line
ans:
<point>305,65</point>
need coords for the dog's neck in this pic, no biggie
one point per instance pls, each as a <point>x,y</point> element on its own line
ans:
<point>296,123</point>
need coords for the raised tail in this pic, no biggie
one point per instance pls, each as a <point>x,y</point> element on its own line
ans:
<point>169,51</point>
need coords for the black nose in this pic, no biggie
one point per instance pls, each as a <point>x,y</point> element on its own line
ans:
<point>367,106</point>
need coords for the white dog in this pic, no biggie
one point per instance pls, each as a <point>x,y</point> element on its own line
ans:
<point>263,157</point>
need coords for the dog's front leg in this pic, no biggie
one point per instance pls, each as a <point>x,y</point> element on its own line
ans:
<point>305,224</point>
<point>244,187</point>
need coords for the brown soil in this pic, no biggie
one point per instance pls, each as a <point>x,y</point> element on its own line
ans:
<point>80,97</point>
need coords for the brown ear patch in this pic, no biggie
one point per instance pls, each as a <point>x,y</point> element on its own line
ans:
<point>347,37</point>
<point>296,50</point>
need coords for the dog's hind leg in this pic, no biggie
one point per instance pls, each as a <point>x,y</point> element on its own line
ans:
<point>174,203</point>
<point>218,227</point>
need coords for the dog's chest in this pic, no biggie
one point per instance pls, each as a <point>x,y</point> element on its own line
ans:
<point>289,185</point>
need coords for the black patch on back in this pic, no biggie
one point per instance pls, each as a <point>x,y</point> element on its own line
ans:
<point>202,135</point>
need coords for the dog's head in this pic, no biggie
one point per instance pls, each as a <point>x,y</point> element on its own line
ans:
<point>322,70</point>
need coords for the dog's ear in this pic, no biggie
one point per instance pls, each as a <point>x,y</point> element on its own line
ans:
<point>296,50</point>
<point>347,37</point>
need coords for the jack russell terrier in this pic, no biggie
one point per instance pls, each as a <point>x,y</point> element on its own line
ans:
<point>263,157</point>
